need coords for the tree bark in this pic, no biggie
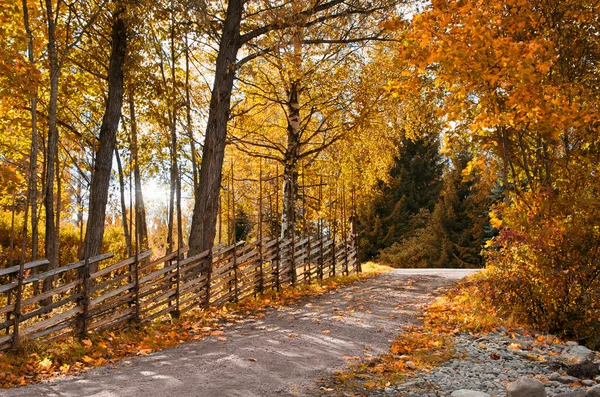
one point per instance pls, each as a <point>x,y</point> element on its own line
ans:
<point>203,226</point>
<point>52,149</point>
<point>290,170</point>
<point>34,144</point>
<point>108,135</point>
<point>140,209</point>
<point>188,110</point>
<point>123,206</point>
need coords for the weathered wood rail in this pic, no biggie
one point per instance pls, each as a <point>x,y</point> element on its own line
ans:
<point>141,289</point>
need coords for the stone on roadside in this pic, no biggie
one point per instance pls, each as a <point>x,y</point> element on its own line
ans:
<point>468,393</point>
<point>578,393</point>
<point>578,353</point>
<point>584,370</point>
<point>526,387</point>
<point>587,382</point>
<point>554,376</point>
<point>593,391</point>
<point>567,379</point>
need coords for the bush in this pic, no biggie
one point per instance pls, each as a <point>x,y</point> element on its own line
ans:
<point>545,264</point>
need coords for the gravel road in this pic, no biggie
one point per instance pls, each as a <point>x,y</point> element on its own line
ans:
<point>284,353</point>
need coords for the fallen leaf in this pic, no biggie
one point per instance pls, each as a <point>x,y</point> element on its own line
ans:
<point>494,356</point>
<point>216,333</point>
<point>87,342</point>
<point>351,358</point>
<point>252,359</point>
<point>326,331</point>
<point>222,339</point>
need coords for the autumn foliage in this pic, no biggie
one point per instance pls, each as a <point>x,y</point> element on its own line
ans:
<point>519,80</point>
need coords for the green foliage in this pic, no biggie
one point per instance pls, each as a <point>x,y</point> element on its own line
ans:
<point>415,185</point>
<point>453,234</point>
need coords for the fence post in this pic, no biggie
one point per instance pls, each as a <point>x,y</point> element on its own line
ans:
<point>17,309</point>
<point>321,259</point>
<point>176,312</point>
<point>261,281</point>
<point>136,287</point>
<point>307,262</point>
<point>355,242</point>
<point>85,298</point>
<point>277,262</point>
<point>293,257</point>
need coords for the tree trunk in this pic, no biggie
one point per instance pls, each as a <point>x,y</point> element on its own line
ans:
<point>188,110</point>
<point>140,210</point>
<point>123,206</point>
<point>108,135</point>
<point>34,144</point>
<point>203,227</point>
<point>290,171</point>
<point>52,150</point>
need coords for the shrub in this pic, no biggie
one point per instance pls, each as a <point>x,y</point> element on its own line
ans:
<point>545,264</point>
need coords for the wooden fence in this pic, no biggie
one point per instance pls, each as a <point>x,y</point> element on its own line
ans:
<point>140,289</point>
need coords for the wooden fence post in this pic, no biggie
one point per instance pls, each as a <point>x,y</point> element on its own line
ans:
<point>136,287</point>
<point>277,263</point>
<point>85,298</point>
<point>293,257</point>
<point>261,281</point>
<point>17,309</point>
<point>344,230</point>
<point>177,312</point>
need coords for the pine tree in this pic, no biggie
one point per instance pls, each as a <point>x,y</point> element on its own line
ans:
<point>415,183</point>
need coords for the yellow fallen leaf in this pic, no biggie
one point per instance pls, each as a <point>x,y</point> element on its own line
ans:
<point>87,342</point>
<point>45,364</point>
<point>216,333</point>
<point>87,359</point>
<point>222,339</point>
<point>251,359</point>
<point>326,332</point>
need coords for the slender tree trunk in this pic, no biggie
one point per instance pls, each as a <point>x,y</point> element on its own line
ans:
<point>123,205</point>
<point>52,149</point>
<point>203,227</point>
<point>175,191</point>
<point>34,144</point>
<point>140,209</point>
<point>108,135</point>
<point>290,170</point>
<point>188,111</point>
<point>505,164</point>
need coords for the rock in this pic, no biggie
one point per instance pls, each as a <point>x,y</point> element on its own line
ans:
<point>593,392</point>
<point>526,387</point>
<point>578,354</point>
<point>554,376</point>
<point>567,380</point>
<point>468,393</point>
<point>587,382</point>
<point>579,393</point>
<point>584,370</point>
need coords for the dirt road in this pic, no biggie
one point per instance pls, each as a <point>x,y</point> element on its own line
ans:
<point>281,354</point>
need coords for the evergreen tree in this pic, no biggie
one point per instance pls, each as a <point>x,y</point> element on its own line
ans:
<point>454,233</point>
<point>415,183</point>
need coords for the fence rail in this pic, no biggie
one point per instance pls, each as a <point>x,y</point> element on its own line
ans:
<point>140,289</point>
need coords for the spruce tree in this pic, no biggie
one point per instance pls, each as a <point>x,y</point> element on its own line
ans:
<point>415,183</point>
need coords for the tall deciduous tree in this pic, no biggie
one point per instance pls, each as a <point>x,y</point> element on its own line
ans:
<point>108,135</point>
<point>248,29</point>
